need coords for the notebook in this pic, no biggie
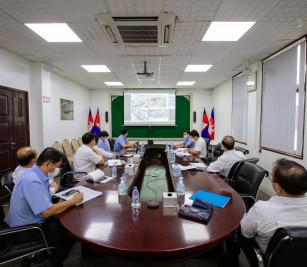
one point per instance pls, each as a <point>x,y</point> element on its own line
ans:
<point>216,199</point>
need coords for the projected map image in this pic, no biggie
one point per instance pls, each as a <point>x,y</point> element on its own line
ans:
<point>140,102</point>
<point>171,101</point>
<point>158,114</point>
<point>158,102</point>
<point>138,114</point>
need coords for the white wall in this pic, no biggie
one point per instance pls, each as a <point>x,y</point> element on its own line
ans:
<point>199,98</point>
<point>44,118</point>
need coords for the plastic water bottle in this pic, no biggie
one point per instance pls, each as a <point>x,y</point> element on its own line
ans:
<point>176,170</point>
<point>122,188</point>
<point>135,198</point>
<point>114,171</point>
<point>142,150</point>
<point>171,146</point>
<point>172,156</point>
<point>124,177</point>
<point>167,147</point>
<point>180,187</point>
<point>113,156</point>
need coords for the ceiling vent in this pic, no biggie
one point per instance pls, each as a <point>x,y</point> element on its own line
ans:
<point>136,30</point>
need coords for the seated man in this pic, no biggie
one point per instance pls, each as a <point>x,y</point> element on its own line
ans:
<point>122,142</point>
<point>27,157</point>
<point>104,153</point>
<point>230,156</point>
<point>103,141</point>
<point>288,208</point>
<point>200,148</point>
<point>87,156</point>
<point>31,203</point>
<point>187,141</point>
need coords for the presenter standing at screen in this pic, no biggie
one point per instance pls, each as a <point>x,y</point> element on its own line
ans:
<point>122,141</point>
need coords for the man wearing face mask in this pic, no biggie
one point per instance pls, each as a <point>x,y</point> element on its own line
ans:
<point>31,203</point>
<point>27,157</point>
<point>187,141</point>
<point>103,141</point>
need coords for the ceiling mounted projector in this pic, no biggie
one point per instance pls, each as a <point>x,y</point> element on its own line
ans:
<point>145,76</point>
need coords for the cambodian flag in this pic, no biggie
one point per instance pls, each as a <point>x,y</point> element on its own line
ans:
<point>96,127</point>
<point>211,129</point>
<point>90,121</point>
<point>204,132</point>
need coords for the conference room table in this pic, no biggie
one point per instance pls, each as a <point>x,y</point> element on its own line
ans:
<point>109,226</point>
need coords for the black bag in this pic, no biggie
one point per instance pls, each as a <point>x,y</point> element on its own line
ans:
<point>200,210</point>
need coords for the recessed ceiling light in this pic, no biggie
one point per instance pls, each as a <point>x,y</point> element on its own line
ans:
<point>227,31</point>
<point>197,68</point>
<point>96,68</point>
<point>185,83</point>
<point>54,32</point>
<point>113,83</point>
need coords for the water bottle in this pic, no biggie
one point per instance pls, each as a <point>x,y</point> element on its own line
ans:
<point>176,170</point>
<point>171,146</point>
<point>114,171</point>
<point>166,147</point>
<point>180,188</point>
<point>172,156</point>
<point>113,155</point>
<point>122,188</point>
<point>142,150</point>
<point>135,198</point>
<point>124,177</point>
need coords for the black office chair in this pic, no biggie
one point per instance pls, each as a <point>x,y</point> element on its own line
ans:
<point>111,142</point>
<point>243,150</point>
<point>236,165</point>
<point>246,179</point>
<point>10,252</point>
<point>287,247</point>
<point>207,145</point>
<point>7,181</point>
<point>215,154</point>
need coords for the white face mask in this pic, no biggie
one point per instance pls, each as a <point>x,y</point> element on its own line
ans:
<point>185,136</point>
<point>51,175</point>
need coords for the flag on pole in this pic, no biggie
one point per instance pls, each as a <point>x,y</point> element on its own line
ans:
<point>211,129</point>
<point>90,121</point>
<point>204,132</point>
<point>96,127</point>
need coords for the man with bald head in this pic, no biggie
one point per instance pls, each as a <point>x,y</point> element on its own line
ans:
<point>27,157</point>
<point>230,156</point>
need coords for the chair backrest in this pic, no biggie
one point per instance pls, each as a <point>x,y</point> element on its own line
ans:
<point>56,145</point>
<point>288,247</point>
<point>68,149</point>
<point>217,151</point>
<point>243,150</point>
<point>248,177</point>
<point>237,165</point>
<point>207,144</point>
<point>80,141</point>
<point>111,143</point>
<point>7,181</point>
<point>75,144</point>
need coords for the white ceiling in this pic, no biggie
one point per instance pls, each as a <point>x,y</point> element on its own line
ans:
<point>277,24</point>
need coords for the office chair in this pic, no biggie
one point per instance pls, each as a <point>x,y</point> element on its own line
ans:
<point>243,150</point>
<point>246,179</point>
<point>237,164</point>
<point>75,145</point>
<point>80,141</point>
<point>207,145</point>
<point>67,174</point>
<point>215,154</point>
<point>111,143</point>
<point>56,145</point>
<point>7,181</point>
<point>68,150</point>
<point>287,247</point>
<point>10,252</point>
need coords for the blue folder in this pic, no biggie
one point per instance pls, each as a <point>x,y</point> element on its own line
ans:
<point>216,199</point>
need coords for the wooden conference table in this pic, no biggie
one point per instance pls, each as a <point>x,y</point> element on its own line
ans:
<point>108,224</point>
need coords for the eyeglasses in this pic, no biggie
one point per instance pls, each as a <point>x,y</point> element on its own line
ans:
<point>55,166</point>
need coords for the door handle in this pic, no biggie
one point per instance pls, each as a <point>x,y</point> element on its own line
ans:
<point>13,144</point>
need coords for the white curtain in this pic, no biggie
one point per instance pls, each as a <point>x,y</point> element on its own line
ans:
<point>283,95</point>
<point>239,107</point>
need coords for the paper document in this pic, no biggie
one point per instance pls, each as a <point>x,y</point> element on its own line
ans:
<point>183,154</point>
<point>95,176</point>
<point>199,166</point>
<point>117,162</point>
<point>183,168</point>
<point>88,193</point>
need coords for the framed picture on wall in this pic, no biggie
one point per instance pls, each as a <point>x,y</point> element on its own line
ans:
<point>67,109</point>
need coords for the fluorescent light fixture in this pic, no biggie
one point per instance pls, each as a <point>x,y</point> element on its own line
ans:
<point>113,83</point>
<point>197,68</point>
<point>96,68</point>
<point>185,83</point>
<point>227,31</point>
<point>54,32</point>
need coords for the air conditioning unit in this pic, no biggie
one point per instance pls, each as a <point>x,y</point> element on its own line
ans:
<point>138,30</point>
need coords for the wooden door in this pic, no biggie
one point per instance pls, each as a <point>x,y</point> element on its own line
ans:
<point>14,126</point>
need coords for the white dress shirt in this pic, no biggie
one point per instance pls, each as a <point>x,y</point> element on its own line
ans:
<point>104,153</point>
<point>265,217</point>
<point>224,162</point>
<point>18,172</point>
<point>85,160</point>
<point>201,146</point>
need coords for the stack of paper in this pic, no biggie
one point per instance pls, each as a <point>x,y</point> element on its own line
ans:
<point>88,193</point>
<point>117,162</point>
<point>199,166</point>
<point>95,176</point>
